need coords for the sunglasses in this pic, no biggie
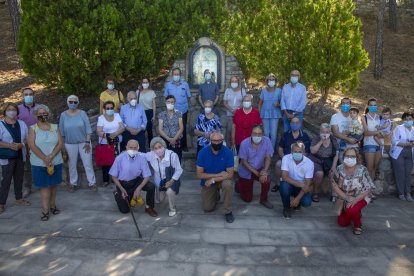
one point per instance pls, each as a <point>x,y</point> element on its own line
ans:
<point>73,102</point>
<point>109,108</point>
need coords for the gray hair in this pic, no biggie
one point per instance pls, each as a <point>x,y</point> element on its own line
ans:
<point>325,126</point>
<point>298,144</point>
<point>250,96</point>
<point>74,97</point>
<point>209,101</point>
<point>38,107</point>
<point>157,140</point>
<point>216,132</point>
<point>131,93</point>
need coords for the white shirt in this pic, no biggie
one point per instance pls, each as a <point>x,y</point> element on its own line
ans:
<point>154,160</point>
<point>109,127</point>
<point>372,122</point>
<point>298,172</point>
<point>403,135</point>
<point>341,121</point>
<point>6,137</point>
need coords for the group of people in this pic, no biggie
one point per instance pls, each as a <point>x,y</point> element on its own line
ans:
<point>31,148</point>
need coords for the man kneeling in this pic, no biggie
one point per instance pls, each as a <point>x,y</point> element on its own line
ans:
<point>130,173</point>
<point>297,173</point>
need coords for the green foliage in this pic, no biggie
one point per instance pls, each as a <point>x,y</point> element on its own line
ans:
<point>321,38</point>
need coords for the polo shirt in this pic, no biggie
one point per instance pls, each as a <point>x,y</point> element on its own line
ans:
<point>254,156</point>
<point>133,117</point>
<point>288,139</point>
<point>293,98</point>
<point>215,163</point>
<point>244,123</point>
<point>26,114</point>
<point>126,169</point>
<point>181,92</point>
<point>298,172</point>
<point>209,91</point>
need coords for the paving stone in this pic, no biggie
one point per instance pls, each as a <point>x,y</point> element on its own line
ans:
<point>225,236</point>
<point>272,237</point>
<point>164,268</point>
<point>196,253</point>
<point>244,222</point>
<point>202,221</point>
<point>177,234</point>
<point>215,270</point>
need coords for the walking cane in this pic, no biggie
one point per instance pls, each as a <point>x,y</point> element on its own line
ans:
<point>133,217</point>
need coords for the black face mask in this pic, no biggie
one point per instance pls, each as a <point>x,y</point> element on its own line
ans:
<point>43,118</point>
<point>217,147</point>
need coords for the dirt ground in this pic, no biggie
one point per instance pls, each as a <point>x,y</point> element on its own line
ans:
<point>395,89</point>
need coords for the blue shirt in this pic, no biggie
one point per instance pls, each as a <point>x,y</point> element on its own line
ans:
<point>74,128</point>
<point>269,110</point>
<point>293,98</point>
<point>133,117</point>
<point>181,92</point>
<point>215,163</point>
<point>288,139</point>
<point>205,124</point>
<point>209,91</point>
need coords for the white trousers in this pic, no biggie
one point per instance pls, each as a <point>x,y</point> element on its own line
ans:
<point>73,151</point>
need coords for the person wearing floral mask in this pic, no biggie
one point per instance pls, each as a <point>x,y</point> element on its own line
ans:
<point>297,174</point>
<point>353,186</point>
<point>324,154</point>
<point>208,90</point>
<point>109,129</point>
<point>13,135</point>
<point>111,94</point>
<point>207,122</point>
<point>243,121</point>
<point>167,171</point>
<point>146,98</point>
<point>215,169</point>
<point>131,174</point>
<point>135,122</point>
<point>402,154</point>
<point>170,126</point>
<point>255,154</point>
<point>293,100</point>
<point>46,143</point>
<point>76,131</point>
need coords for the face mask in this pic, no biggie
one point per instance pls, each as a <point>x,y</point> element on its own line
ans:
<point>350,162</point>
<point>217,147</point>
<point>132,153</point>
<point>271,83</point>
<point>133,102</point>
<point>43,118</point>
<point>408,123</point>
<point>28,99</point>
<point>207,77</point>
<point>176,78</point>
<point>110,112</point>
<point>257,139</point>
<point>295,126</point>
<point>345,107</point>
<point>325,136</point>
<point>160,152</point>
<point>234,85</point>
<point>207,110</point>
<point>72,106</point>
<point>170,106</point>
<point>110,86</point>
<point>247,104</point>
<point>294,79</point>
<point>297,156</point>
<point>145,85</point>
<point>11,114</point>
<point>372,109</point>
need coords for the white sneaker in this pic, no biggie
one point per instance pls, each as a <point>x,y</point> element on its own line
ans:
<point>402,197</point>
<point>172,212</point>
<point>408,198</point>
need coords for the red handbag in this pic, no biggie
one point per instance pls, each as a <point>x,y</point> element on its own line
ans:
<point>104,155</point>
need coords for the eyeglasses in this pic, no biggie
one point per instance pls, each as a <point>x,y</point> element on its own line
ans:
<point>109,108</point>
<point>73,102</point>
<point>350,156</point>
<point>217,141</point>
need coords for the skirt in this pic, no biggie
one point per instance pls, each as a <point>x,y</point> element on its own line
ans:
<point>42,179</point>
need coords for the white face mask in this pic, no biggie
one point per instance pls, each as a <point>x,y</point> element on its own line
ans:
<point>207,110</point>
<point>234,85</point>
<point>247,104</point>
<point>132,153</point>
<point>350,162</point>
<point>133,102</point>
<point>325,136</point>
<point>145,85</point>
<point>170,106</point>
<point>257,139</point>
<point>271,83</point>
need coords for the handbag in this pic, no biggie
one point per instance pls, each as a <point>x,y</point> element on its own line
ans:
<point>6,153</point>
<point>169,172</point>
<point>236,158</point>
<point>104,154</point>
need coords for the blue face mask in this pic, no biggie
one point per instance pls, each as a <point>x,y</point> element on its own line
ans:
<point>372,109</point>
<point>110,86</point>
<point>297,156</point>
<point>295,126</point>
<point>345,107</point>
<point>408,123</point>
<point>176,78</point>
<point>110,112</point>
<point>207,77</point>
<point>294,79</point>
<point>72,105</point>
<point>28,99</point>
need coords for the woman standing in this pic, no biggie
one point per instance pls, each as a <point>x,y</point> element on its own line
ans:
<point>13,135</point>
<point>109,129</point>
<point>46,143</point>
<point>206,123</point>
<point>269,108</point>
<point>170,126</point>
<point>353,188</point>
<point>167,171</point>
<point>146,98</point>
<point>402,153</point>
<point>111,94</point>
<point>76,132</point>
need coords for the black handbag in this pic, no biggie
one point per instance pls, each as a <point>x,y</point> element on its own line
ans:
<point>6,153</point>
<point>169,172</point>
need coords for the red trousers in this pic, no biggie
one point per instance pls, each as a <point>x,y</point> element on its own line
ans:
<point>352,214</point>
<point>245,188</point>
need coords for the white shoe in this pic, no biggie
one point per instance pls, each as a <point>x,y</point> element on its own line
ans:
<point>408,198</point>
<point>172,212</point>
<point>402,197</point>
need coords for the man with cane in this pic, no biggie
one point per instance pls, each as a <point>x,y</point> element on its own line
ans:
<point>130,173</point>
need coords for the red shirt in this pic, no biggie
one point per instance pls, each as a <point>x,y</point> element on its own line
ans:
<point>244,123</point>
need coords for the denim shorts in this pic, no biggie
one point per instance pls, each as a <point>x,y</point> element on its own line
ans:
<point>372,148</point>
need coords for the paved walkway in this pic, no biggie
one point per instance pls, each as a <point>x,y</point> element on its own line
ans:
<point>90,237</point>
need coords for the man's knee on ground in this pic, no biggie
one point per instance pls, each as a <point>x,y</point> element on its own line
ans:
<point>306,201</point>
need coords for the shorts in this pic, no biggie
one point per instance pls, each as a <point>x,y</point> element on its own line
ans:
<point>372,148</point>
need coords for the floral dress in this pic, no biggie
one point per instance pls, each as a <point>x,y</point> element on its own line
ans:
<point>356,184</point>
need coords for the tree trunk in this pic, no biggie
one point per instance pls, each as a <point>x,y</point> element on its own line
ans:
<point>379,66</point>
<point>15,17</point>
<point>324,92</point>
<point>392,13</point>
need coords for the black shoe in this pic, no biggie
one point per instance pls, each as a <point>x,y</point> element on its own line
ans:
<point>297,208</point>
<point>275,189</point>
<point>229,217</point>
<point>287,213</point>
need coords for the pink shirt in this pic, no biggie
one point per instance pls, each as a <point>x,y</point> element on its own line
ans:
<point>26,114</point>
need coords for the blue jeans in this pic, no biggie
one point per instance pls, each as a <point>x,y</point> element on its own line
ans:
<point>270,126</point>
<point>286,121</point>
<point>287,190</point>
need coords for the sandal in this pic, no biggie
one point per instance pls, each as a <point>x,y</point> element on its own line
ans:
<point>315,198</point>
<point>55,210</point>
<point>357,231</point>
<point>2,208</point>
<point>22,202</point>
<point>45,216</point>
